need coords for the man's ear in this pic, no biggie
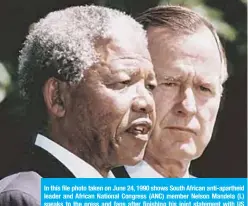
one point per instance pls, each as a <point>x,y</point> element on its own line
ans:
<point>53,97</point>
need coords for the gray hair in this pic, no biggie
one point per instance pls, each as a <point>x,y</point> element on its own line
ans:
<point>182,21</point>
<point>62,45</point>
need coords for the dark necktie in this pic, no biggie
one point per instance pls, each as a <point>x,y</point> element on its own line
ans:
<point>120,172</point>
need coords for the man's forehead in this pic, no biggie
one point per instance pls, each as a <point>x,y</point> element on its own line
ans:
<point>114,48</point>
<point>126,63</point>
<point>130,40</point>
<point>200,45</point>
<point>202,37</point>
<point>202,41</point>
<point>158,33</point>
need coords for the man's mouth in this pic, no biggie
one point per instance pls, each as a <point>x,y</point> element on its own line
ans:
<point>183,129</point>
<point>140,126</point>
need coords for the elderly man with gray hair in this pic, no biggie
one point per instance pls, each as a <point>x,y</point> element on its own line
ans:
<point>190,66</point>
<point>86,78</point>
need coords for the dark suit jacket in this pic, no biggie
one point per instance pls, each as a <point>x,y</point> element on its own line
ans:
<point>22,188</point>
<point>43,163</point>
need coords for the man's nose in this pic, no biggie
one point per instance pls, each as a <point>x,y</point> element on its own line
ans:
<point>143,102</point>
<point>187,105</point>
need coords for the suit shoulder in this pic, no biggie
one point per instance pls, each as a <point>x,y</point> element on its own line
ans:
<point>20,188</point>
<point>17,198</point>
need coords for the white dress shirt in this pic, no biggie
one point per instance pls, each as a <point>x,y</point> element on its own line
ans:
<point>78,167</point>
<point>144,170</point>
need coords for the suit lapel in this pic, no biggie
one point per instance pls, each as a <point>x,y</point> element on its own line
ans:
<point>45,164</point>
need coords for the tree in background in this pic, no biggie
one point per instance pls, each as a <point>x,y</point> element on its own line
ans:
<point>14,28</point>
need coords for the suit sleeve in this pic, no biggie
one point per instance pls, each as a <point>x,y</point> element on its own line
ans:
<point>17,198</point>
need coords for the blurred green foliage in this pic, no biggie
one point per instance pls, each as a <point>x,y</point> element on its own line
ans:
<point>5,81</point>
<point>244,1</point>
<point>215,16</point>
<point>228,31</point>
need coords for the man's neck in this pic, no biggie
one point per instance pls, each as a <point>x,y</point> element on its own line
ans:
<point>168,167</point>
<point>87,153</point>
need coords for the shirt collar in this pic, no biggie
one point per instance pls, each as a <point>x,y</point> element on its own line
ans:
<point>78,167</point>
<point>144,170</point>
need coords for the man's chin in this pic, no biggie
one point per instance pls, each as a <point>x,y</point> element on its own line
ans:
<point>188,153</point>
<point>183,151</point>
<point>127,139</point>
<point>133,159</point>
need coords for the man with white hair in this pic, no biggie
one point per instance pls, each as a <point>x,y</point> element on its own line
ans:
<point>190,67</point>
<point>86,83</point>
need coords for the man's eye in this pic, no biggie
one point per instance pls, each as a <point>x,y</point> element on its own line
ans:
<point>120,85</point>
<point>150,87</point>
<point>205,89</point>
<point>126,82</point>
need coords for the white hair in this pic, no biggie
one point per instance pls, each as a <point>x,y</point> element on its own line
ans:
<point>63,43</point>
